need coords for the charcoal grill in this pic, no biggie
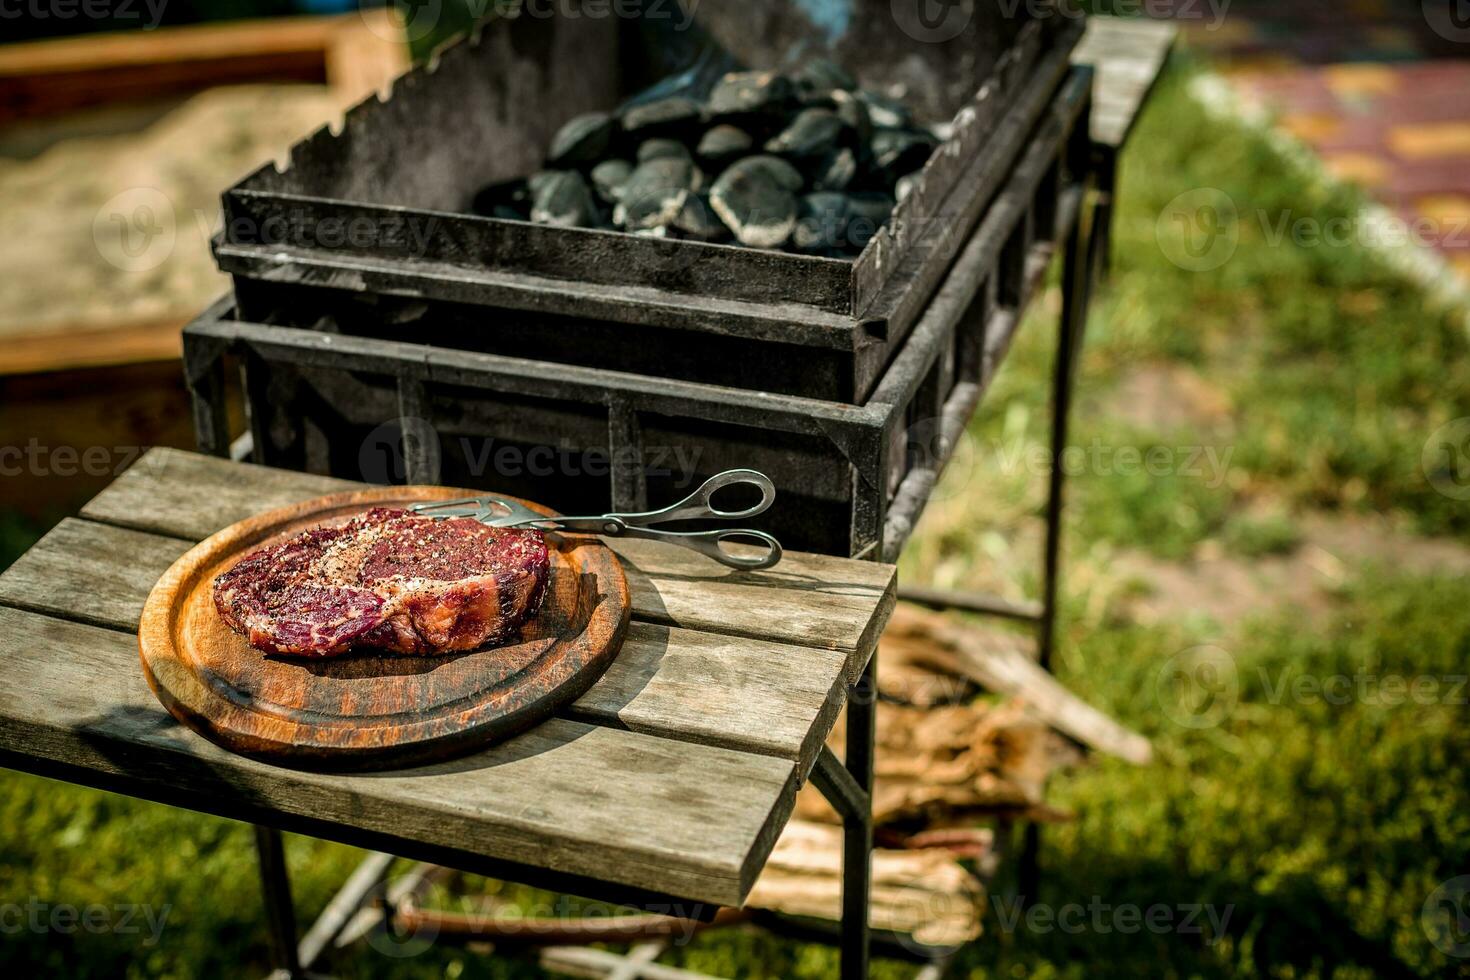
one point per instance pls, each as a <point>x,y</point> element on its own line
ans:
<point>853,477</point>
<point>848,382</point>
<point>365,231</point>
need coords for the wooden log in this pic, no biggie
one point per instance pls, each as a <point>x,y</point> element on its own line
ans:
<point>955,766</point>
<point>926,894</point>
<point>355,53</point>
<point>997,662</point>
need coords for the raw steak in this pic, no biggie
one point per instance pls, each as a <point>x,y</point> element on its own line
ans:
<point>389,580</point>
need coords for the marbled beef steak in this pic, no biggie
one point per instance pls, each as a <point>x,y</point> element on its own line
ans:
<point>387,580</point>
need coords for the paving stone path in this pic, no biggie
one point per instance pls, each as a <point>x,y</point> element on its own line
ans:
<point>1380,89</point>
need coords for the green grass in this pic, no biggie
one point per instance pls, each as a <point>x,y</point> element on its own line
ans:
<point>1321,827</point>
<point>1323,822</point>
<point>1256,537</point>
<point>1338,367</point>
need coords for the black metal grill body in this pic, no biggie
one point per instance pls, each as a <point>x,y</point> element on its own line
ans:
<point>852,477</point>
<point>363,232</point>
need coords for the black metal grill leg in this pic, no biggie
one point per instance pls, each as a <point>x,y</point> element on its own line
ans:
<point>1077,266</point>
<point>857,829</point>
<point>1105,169</point>
<point>280,914</point>
<point>1074,310</point>
<point>1028,865</point>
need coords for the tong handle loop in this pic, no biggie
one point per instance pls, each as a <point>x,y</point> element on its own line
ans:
<point>711,543</point>
<point>700,503</point>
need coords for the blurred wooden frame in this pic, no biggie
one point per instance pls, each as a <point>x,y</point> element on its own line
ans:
<point>353,53</point>
<point>100,346</point>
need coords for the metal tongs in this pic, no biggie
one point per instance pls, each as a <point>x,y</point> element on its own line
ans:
<point>507,513</point>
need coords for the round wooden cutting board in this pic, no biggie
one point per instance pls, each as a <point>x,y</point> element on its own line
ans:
<point>365,710</point>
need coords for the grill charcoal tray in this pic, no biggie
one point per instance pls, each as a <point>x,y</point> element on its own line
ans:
<point>364,230</point>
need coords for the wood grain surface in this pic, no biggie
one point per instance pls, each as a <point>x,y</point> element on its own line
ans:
<point>674,682</point>
<point>673,774</point>
<point>367,710</point>
<point>1129,55</point>
<point>810,600</point>
<point>693,821</point>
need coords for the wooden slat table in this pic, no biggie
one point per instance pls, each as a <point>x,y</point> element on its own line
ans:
<point>666,785</point>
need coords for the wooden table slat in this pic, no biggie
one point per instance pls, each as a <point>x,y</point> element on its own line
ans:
<point>688,820</point>
<point>753,695</point>
<point>1129,54</point>
<point>811,600</point>
<point>191,496</point>
<point>90,573</point>
<point>737,693</point>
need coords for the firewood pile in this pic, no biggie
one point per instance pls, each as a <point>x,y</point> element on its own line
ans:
<point>949,766</point>
<point>952,759</point>
<point>927,893</point>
